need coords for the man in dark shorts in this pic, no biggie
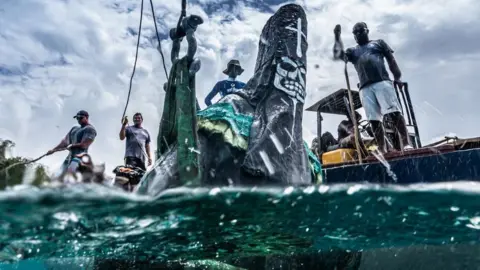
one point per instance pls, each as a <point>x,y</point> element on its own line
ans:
<point>137,144</point>
<point>77,141</point>
<point>377,92</point>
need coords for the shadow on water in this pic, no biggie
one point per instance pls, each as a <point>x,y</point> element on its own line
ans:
<point>317,227</point>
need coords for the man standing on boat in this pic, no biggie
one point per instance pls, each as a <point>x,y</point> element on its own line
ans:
<point>377,92</point>
<point>138,142</point>
<point>77,141</point>
<point>229,85</point>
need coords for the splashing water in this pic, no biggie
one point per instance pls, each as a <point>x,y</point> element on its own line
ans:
<point>92,223</point>
<point>379,156</point>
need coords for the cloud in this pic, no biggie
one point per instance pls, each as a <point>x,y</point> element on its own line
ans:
<point>57,57</point>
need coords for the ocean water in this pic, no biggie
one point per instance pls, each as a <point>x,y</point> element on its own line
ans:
<point>83,226</point>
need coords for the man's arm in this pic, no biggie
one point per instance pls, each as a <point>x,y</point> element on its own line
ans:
<point>63,143</point>
<point>392,63</point>
<point>339,53</point>
<point>123,132</point>
<point>147,149</point>
<point>211,95</point>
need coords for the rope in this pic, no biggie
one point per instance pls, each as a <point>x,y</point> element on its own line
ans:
<point>136,52</point>
<point>158,39</point>
<point>353,117</point>
<point>136,58</point>
<point>23,163</point>
<point>27,162</point>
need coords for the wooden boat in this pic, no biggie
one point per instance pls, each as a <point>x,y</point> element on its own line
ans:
<point>450,159</point>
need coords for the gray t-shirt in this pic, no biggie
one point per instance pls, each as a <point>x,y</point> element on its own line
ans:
<point>78,134</point>
<point>137,138</point>
<point>369,62</point>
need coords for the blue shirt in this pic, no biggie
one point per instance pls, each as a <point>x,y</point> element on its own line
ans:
<point>224,88</point>
<point>369,62</point>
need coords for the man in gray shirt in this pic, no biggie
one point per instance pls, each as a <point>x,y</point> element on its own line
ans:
<point>77,141</point>
<point>377,92</point>
<point>137,144</point>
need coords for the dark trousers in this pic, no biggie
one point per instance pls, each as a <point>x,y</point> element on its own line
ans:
<point>136,162</point>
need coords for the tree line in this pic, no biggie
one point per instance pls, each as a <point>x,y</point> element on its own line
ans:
<point>14,175</point>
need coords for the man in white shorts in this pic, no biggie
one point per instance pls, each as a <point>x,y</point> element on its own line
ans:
<point>377,92</point>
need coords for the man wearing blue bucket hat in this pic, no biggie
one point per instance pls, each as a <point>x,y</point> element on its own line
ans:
<point>229,85</point>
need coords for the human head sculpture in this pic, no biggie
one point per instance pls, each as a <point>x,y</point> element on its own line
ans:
<point>281,58</point>
<point>233,69</point>
<point>277,90</point>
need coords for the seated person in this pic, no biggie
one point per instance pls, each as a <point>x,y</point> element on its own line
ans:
<point>229,85</point>
<point>345,139</point>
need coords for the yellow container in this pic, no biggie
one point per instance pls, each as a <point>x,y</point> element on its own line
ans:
<point>339,156</point>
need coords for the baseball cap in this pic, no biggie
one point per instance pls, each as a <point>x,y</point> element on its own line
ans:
<point>81,113</point>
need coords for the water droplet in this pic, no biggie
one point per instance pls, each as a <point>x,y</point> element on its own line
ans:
<point>309,190</point>
<point>288,190</point>
<point>214,191</point>
<point>353,189</point>
<point>454,209</point>
<point>323,189</point>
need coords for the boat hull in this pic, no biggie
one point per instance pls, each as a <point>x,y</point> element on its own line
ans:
<point>460,165</point>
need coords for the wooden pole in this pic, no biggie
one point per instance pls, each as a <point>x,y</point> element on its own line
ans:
<point>353,117</point>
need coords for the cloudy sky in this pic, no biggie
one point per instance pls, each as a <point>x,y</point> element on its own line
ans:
<point>60,56</point>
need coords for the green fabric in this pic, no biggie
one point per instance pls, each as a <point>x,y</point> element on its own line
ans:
<point>315,164</point>
<point>222,118</point>
<point>218,127</point>
<point>240,123</point>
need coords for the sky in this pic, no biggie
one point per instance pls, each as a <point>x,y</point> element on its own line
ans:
<point>61,56</point>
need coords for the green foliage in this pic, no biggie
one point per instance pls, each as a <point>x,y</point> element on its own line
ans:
<point>14,175</point>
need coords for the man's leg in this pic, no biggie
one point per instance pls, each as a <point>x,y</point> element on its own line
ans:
<point>140,164</point>
<point>374,115</point>
<point>135,162</point>
<point>379,135</point>
<point>130,161</point>
<point>349,142</point>
<point>389,104</point>
<point>73,166</point>
<point>401,128</point>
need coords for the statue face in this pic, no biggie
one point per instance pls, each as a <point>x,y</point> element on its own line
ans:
<point>282,56</point>
<point>290,78</point>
